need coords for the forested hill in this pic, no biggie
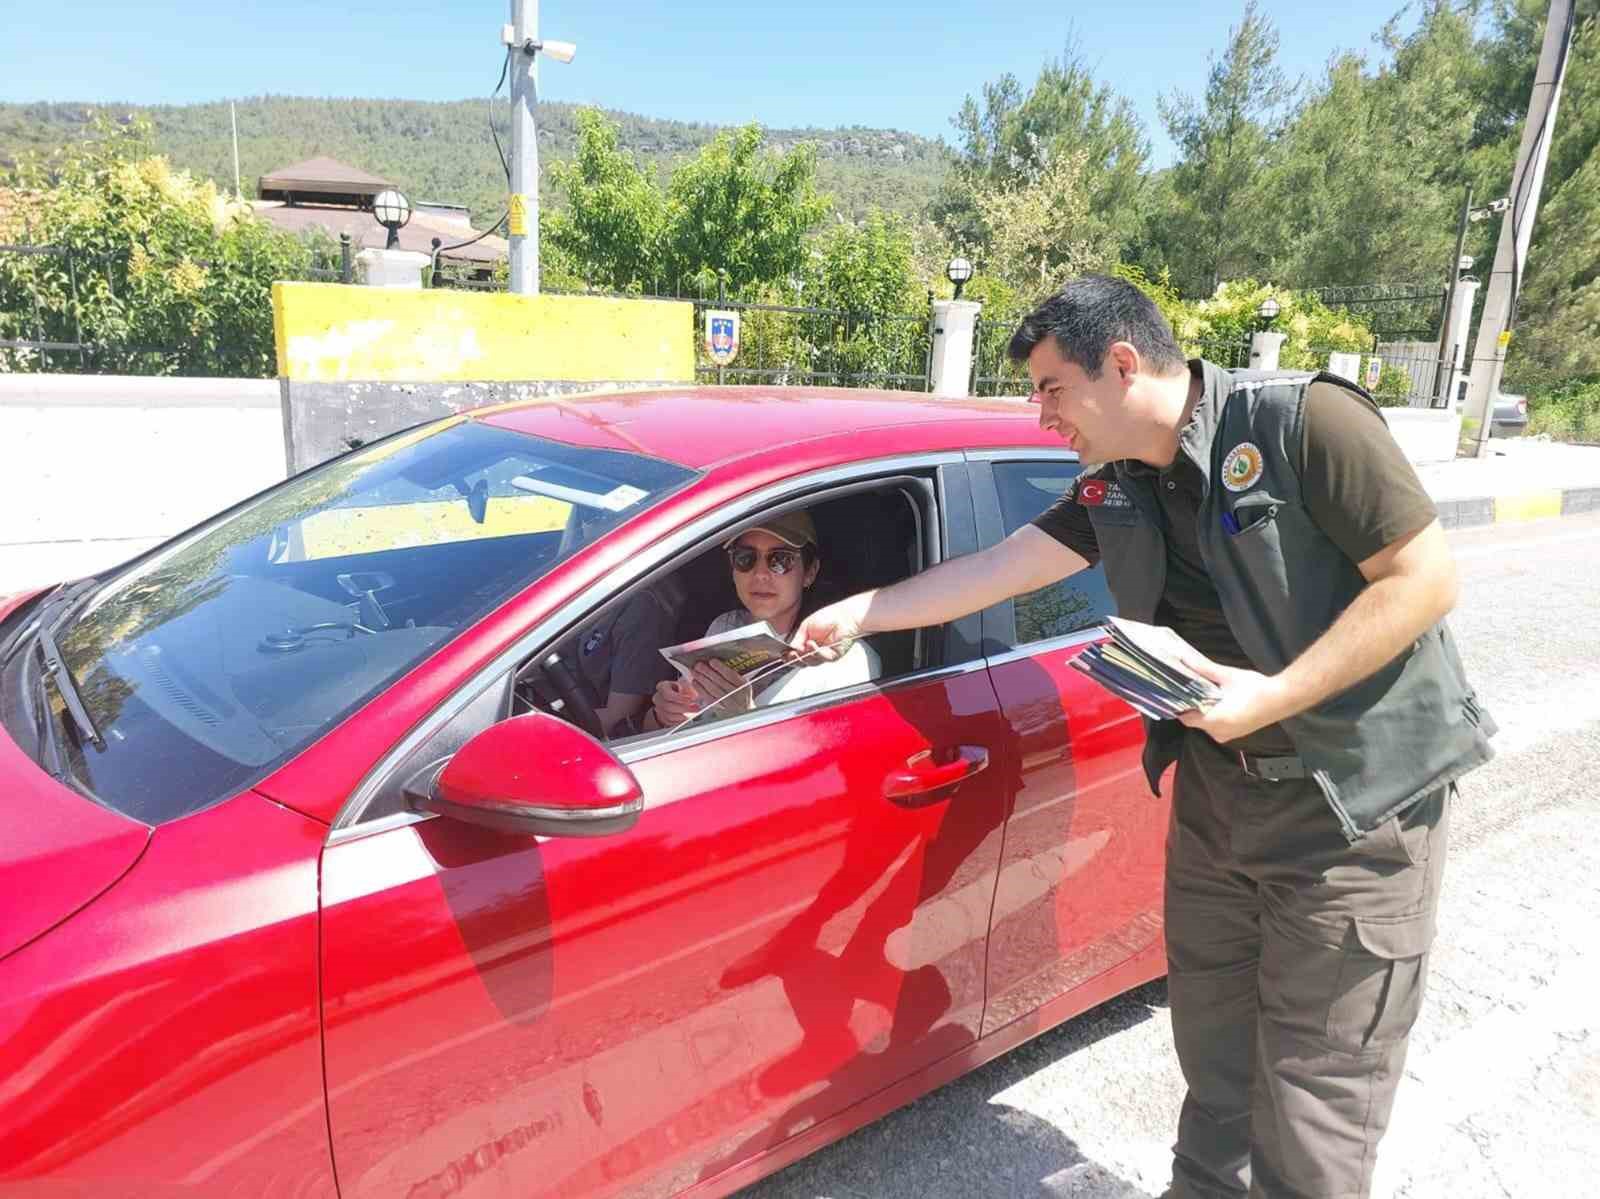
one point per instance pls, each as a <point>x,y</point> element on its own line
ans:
<point>443,151</point>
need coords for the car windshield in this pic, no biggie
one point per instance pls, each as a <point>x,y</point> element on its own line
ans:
<point>218,656</point>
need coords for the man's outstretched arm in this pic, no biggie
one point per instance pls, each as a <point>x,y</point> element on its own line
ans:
<point>1023,562</point>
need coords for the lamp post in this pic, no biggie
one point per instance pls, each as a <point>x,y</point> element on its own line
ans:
<point>958,271</point>
<point>522,42</point>
<point>1264,345</point>
<point>393,211</point>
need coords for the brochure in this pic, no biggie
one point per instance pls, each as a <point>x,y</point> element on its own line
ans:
<point>744,650</point>
<point>1143,664</point>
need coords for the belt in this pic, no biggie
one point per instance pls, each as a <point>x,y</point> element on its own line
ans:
<point>1274,770</point>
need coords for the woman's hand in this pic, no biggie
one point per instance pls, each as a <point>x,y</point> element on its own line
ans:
<point>715,681</point>
<point>674,702</point>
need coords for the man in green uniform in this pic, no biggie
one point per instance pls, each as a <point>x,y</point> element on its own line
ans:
<point>1273,522</point>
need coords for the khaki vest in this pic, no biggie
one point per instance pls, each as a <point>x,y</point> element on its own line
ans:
<point>1374,749</point>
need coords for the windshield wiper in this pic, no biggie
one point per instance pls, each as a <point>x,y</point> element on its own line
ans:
<point>44,728</point>
<point>56,669</point>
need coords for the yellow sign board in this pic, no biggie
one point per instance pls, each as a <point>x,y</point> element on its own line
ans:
<point>1505,338</point>
<point>517,217</point>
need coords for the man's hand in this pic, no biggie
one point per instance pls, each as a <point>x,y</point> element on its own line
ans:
<point>1249,701</point>
<point>830,630</point>
<point>1024,561</point>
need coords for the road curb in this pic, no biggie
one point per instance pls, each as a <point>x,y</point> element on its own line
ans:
<point>1525,505</point>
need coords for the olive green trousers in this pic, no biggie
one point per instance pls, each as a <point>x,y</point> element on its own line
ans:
<point>1297,963</point>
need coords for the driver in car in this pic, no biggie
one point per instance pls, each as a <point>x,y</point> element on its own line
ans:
<point>618,660</point>
<point>774,566</point>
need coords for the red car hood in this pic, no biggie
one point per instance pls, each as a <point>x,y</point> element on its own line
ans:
<point>58,850</point>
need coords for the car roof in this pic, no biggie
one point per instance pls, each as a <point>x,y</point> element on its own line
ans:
<point>700,427</point>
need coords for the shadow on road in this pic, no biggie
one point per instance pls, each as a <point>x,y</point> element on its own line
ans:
<point>957,1142</point>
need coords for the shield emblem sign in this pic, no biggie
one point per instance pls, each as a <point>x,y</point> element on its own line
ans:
<point>722,337</point>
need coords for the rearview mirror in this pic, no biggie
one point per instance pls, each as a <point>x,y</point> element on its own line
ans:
<point>536,775</point>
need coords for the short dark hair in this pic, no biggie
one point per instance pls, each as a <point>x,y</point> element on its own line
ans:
<point>1090,313</point>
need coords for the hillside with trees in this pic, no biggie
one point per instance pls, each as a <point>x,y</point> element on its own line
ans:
<point>443,151</point>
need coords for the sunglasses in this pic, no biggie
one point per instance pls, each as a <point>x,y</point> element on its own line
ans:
<point>780,561</point>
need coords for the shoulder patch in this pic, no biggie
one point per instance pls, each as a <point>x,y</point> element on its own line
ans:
<point>1101,493</point>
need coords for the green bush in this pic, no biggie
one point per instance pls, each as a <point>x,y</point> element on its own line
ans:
<point>166,275</point>
<point>1570,412</point>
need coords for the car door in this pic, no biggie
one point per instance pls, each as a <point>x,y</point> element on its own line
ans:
<point>798,919</point>
<point>1079,892</point>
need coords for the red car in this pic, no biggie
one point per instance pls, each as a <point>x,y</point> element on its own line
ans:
<point>315,884</point>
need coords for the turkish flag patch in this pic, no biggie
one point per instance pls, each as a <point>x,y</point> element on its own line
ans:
<point>1092,493</point>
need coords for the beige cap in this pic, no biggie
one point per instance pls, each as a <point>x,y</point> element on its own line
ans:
<point>792,528</point>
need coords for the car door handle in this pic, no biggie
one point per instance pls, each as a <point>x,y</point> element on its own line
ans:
<point>922,774</point>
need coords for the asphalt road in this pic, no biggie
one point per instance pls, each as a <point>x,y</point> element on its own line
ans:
<point>1502,1090</point>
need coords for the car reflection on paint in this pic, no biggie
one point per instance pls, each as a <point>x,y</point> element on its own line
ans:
<point>317,867</point>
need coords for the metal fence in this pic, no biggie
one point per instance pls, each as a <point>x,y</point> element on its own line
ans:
<point>81,324</point>
<point>993,373</point>
<point>779,344</point>
<point>790,344</point>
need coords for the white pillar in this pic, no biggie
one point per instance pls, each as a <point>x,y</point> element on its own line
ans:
<point>392,268</point>
<point>1264,349</point>
<point>1456,336</point>
<point>954,323</point>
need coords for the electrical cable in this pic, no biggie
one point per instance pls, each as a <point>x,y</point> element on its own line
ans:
<point>505,70</point>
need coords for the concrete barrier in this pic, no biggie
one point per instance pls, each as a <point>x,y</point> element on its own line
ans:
<point>1425,434</point>
<point>98,468</point>
<point>357,363</point>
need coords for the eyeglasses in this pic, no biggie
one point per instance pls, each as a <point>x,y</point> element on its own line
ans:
<point>780,561</point>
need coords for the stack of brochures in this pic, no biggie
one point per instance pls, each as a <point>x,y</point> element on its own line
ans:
<point>1143,664</point>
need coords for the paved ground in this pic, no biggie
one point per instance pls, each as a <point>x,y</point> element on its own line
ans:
<point>1502,1094</point>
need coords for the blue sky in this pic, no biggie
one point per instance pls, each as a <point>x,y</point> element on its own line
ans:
<point>884,64</point>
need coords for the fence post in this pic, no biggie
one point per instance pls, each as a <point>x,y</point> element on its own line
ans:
<point>347,272</point>
<point>955,323</point>
<point>77,311</point>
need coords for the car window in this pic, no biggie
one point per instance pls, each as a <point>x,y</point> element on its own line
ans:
<point>866,539</point>
<point>1026,489</point>
<point>214,659</point>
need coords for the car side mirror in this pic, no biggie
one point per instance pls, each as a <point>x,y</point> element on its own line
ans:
<point>535,775</point>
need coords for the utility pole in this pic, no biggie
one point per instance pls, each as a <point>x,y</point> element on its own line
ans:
<point>1447,322</point>
<point>524,201</point>
<point>1494,329</point>
<point>233,113</point>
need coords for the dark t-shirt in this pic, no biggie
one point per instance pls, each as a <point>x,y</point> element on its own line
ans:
<point>1354,480</point>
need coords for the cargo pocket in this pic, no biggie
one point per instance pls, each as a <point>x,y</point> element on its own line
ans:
<point>1378,991</point>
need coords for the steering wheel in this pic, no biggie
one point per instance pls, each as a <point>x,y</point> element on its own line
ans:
<point>574,700</point>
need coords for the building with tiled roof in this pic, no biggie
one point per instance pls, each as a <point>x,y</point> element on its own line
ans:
<point>323,193</point>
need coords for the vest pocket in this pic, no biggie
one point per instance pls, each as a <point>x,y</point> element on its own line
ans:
<point>1252,512</point>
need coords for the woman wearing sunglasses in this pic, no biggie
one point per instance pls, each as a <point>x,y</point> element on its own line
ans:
<point>774,566</point>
